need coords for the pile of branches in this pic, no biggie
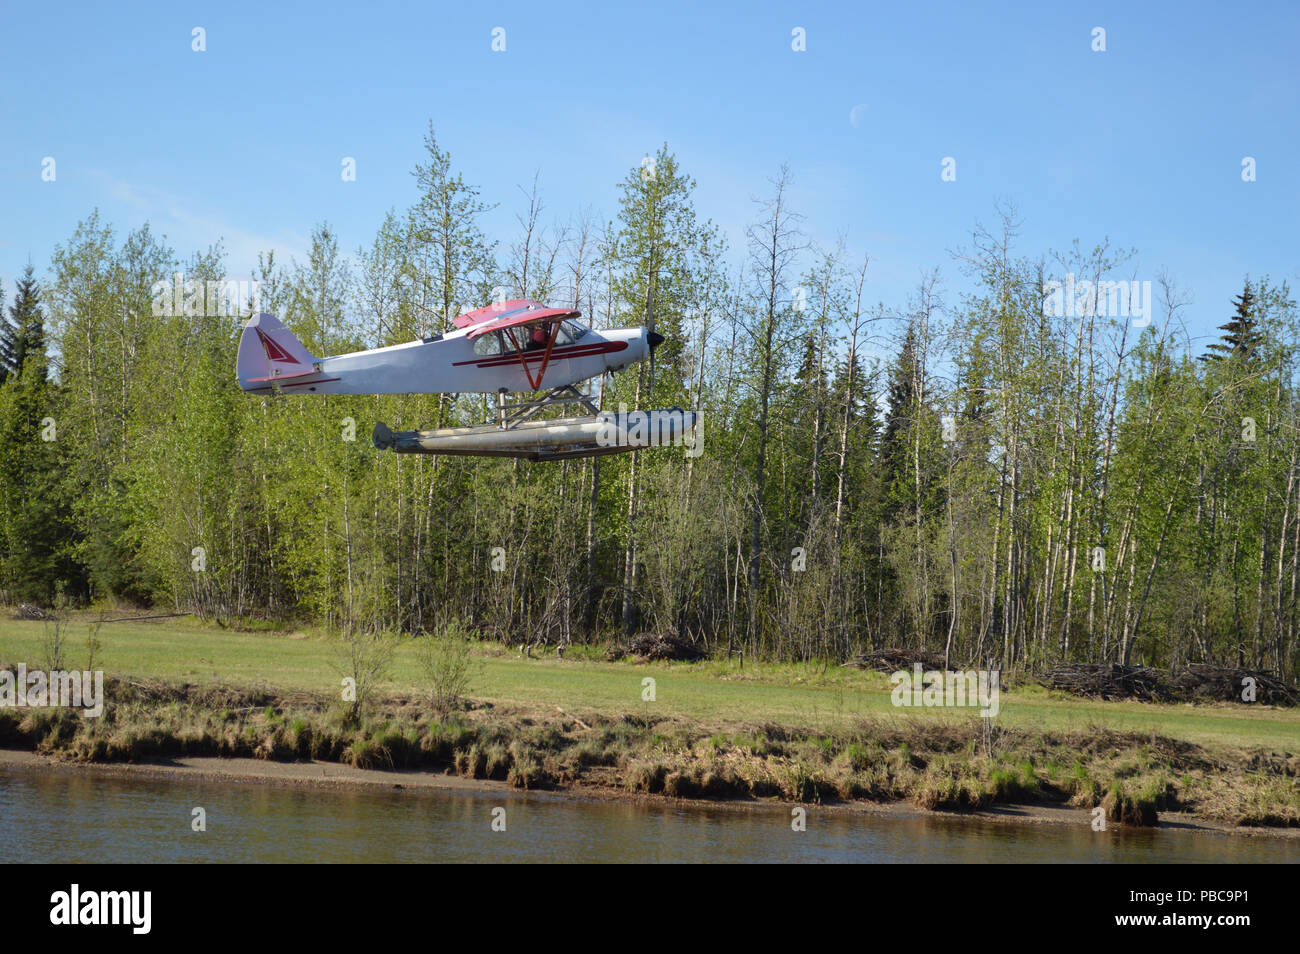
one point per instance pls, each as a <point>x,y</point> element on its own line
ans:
<point>1109,681</point>
<point>28,611</point>
<point>892,660</point>
<point>1196,683</point>
<point>1221,684</point>
<point>653,647</point>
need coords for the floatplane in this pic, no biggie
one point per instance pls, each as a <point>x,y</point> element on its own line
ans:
<point>514,347</point>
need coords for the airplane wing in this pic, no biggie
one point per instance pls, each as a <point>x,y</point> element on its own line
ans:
<point>493,312</point>
<point>529,314</point>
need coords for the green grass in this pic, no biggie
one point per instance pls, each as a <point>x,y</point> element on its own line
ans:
<point>801,732</point>
<point>710,693</point>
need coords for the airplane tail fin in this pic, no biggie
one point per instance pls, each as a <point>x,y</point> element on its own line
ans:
<point>268,352</point>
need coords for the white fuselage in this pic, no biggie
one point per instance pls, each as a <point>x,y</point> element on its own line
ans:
<point>454,364</point>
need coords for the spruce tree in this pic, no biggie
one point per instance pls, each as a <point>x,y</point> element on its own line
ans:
<point>35,525</point>
<point>1242,333</point>
<point>900,418</point>
<point>22,333</point>
<point>8,339</point>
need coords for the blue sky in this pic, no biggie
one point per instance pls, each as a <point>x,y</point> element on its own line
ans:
<point>1142,143</point>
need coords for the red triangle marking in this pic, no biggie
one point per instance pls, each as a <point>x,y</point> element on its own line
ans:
<point>275,352</point>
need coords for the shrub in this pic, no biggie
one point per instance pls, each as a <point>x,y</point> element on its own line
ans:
<point>447,664</point>
<point>1127,809</point>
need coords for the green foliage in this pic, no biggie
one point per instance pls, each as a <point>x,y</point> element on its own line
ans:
<point>1100,494</point>
<point>447,665</point>
<point>363,658</point>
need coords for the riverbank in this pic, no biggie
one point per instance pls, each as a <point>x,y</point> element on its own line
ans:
<point>335,777</point>
<point>716,730</point>
<point>967,764</point>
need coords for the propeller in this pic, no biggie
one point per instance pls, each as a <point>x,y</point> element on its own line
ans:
<point>653,339</point>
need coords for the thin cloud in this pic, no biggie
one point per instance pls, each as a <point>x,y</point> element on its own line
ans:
<point>178,217</point>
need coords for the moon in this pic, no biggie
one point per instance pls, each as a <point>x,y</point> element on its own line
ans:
<point>856,114</point>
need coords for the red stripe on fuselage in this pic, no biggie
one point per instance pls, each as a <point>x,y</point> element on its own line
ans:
<point>558,354</point>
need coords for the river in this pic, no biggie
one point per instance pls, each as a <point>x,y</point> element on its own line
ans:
<point>69,816</point>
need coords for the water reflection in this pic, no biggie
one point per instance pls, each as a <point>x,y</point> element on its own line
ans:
<point>79,817</point>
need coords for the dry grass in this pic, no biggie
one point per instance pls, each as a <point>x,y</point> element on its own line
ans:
<point>950,765</point>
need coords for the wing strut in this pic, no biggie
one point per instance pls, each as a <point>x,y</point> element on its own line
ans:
<point>536,383</point>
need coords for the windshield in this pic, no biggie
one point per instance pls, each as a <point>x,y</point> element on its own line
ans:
<point>571,331</point>
<point>488,344</point>
<point>529,338</point>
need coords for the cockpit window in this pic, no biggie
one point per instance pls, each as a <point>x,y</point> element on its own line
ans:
<point>488,344</point>
<point>571,331</point>
<point>529,338</point>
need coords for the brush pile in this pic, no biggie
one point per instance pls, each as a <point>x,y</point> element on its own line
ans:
<point>28,611</point>
<point>1196,683</point>
<point>1108,681</point>
<point>892,660</point>
<point>653,647</point>
<point>1220,684</point>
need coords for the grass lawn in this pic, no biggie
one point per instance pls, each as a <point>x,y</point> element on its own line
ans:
<point>708,693</point>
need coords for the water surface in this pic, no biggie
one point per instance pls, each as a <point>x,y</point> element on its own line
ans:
<point>70,816</point>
